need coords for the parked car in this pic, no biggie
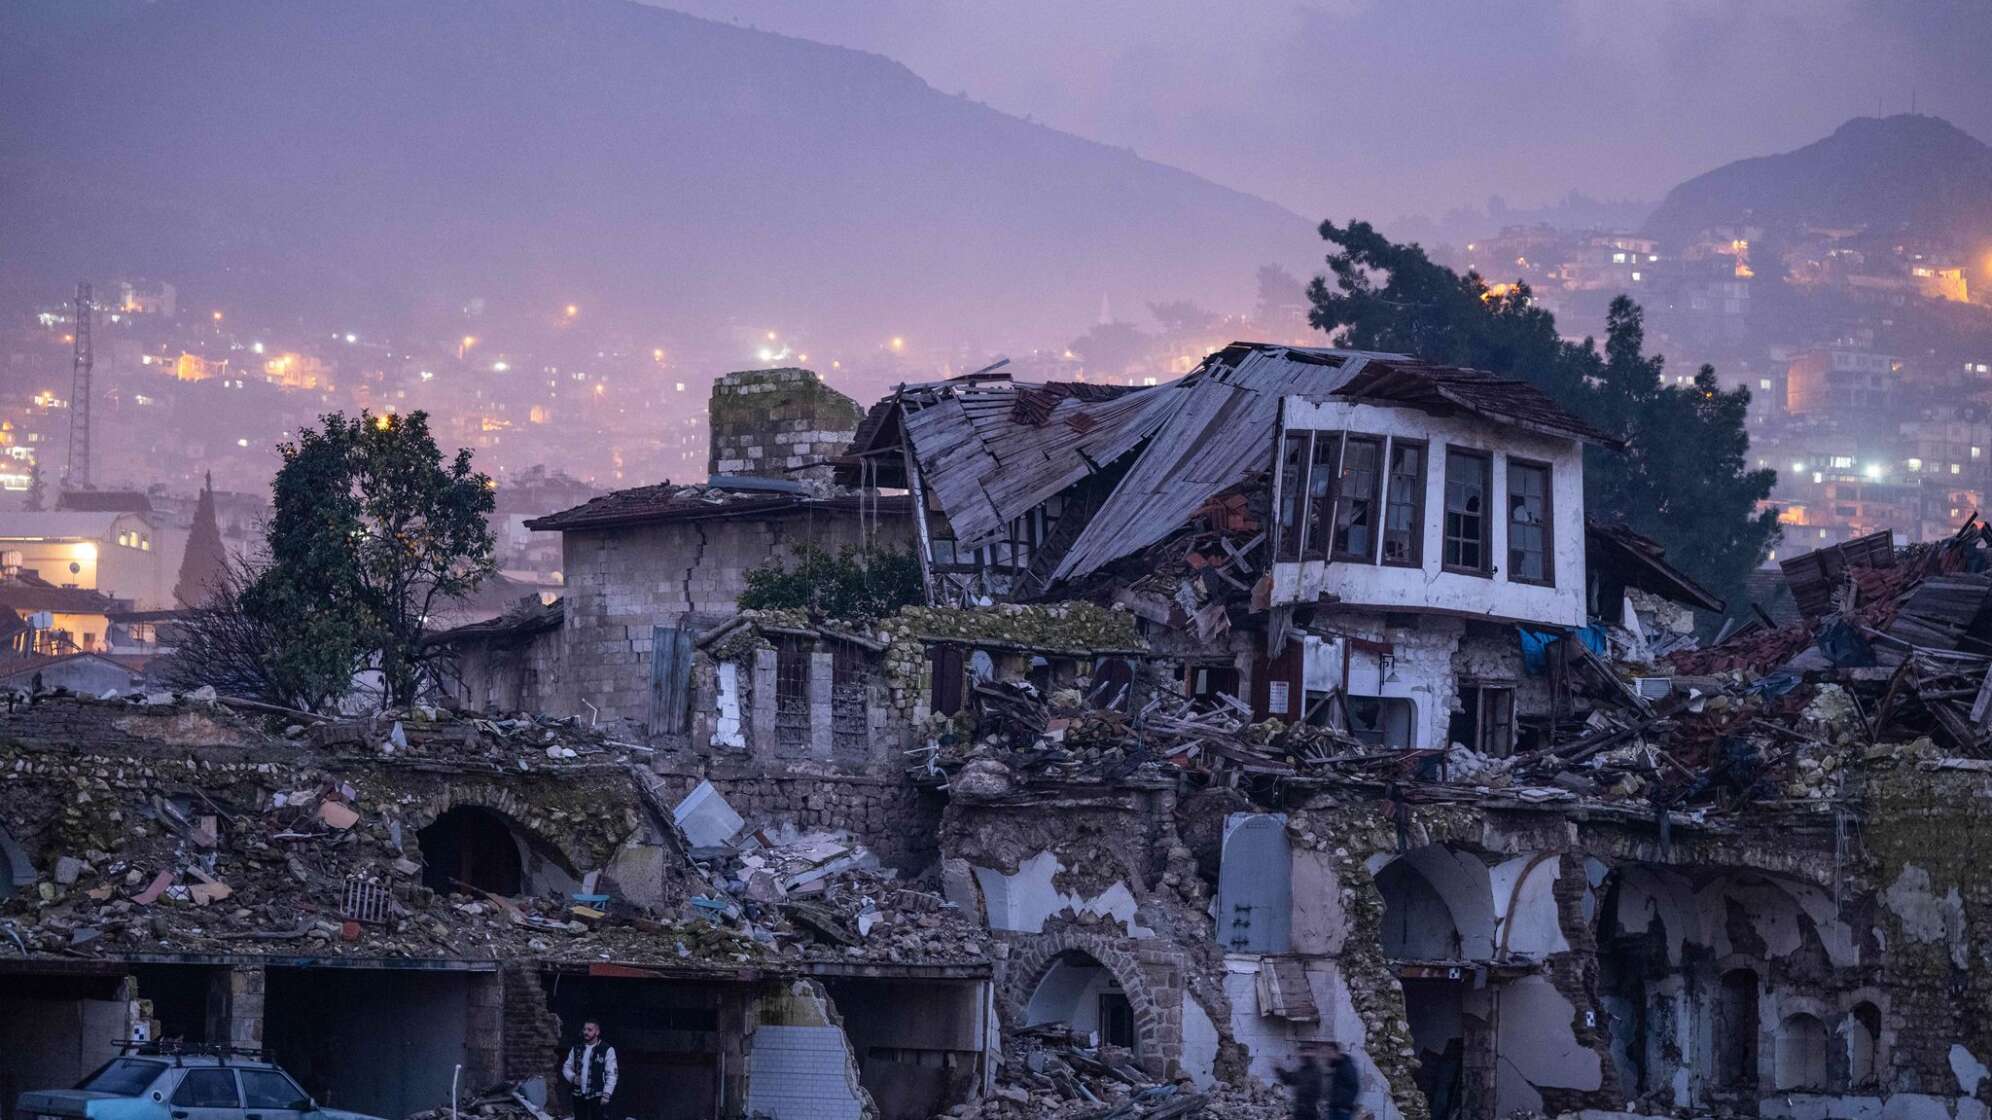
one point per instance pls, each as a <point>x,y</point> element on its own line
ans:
<point>180,1086</point>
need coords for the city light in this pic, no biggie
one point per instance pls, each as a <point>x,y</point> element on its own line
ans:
<point>657,355</point>
<point>464,346</point>
<point>500,367</point>
<point>256,347</point>
<point>573,310</point>
<point>898,343</point>
<point>383,422</point>
<point>351,338</point>
<point>1873,471</point>
<point>217,316</point>
<point>1798,468</point>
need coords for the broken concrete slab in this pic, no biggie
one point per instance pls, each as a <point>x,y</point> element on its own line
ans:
<point>337,815</point>
<point>707,819</point>
<point>68,869</point>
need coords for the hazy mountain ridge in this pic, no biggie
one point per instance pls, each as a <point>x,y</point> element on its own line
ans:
<point>662,167</point>
<point>1859,176</point>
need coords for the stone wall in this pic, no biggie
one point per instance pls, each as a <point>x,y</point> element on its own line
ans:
<point>776,423</point>
<point>625,582</point>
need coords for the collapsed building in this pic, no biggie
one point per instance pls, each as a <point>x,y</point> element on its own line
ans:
<point>1300,699</point>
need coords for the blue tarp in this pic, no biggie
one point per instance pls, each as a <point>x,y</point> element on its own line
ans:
<point>1536,643</point>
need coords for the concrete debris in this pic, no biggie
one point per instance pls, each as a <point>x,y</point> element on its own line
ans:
<point>1050,1072</point>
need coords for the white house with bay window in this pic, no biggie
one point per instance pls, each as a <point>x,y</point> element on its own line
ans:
<point>1425,519</point>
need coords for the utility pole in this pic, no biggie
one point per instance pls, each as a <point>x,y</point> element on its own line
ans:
<point>77,474</point>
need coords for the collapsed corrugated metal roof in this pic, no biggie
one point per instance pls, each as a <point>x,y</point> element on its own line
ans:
<point>990,450</point>
<point>1217,432</point>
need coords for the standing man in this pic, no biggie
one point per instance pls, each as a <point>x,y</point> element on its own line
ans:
<point>591,1069</point>
<point>1345,1085</point>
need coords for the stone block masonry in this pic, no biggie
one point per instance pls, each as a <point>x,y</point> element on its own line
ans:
<point>778,423</point>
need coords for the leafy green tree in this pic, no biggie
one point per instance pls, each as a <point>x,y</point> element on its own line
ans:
<point>1684,479</point>
<point>372,530</point>
<point>854,584</point>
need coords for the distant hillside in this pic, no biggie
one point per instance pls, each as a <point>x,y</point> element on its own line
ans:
<point>372,155</point>
<point>1918,172</point>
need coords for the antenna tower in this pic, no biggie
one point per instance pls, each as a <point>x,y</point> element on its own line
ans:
<point>77,474</point>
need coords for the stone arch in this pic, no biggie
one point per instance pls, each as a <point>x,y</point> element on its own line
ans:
<point>1438,904</point>
<point>1739,996</point>
<point>470,822</point>
<point>1157,1026</point>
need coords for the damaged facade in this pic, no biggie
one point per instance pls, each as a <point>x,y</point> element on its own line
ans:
<point>1301,699</point>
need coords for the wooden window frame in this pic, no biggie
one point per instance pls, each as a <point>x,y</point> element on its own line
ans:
<point>1321,508</point>
<point>1548,519</point>
<point>1289,539</point>
<point>1382,446</point>
<point>1486,460</point>
<point>1419,482</point>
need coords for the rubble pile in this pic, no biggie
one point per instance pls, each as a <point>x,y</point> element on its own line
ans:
<point>819,895</point>
<point>1051,1073</point>
<point>300,841</point>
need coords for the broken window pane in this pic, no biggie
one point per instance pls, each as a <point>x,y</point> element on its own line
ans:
<point>1404,509</point>
<point>1466,510</point>
<point>1322,493</point>
<point>1355,513</point>
<point>1293,483</point>
<point>1528,522</point>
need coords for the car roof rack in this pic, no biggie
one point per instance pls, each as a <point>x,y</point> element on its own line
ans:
<point>179,1048</point>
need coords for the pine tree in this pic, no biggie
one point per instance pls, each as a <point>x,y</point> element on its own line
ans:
<point>1684,478</point>
<point>37,490</point>
<point>202,568</point>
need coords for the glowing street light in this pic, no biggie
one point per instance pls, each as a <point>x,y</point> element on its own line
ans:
<point>573,310</point>
<point>898,343</point>
<point>217,316</point>
<point>463,347</point>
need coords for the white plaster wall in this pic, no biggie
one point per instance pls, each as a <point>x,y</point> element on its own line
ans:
<point>1421,662</point>
<point>1532,927</point>
<point>1200,1041</point>
<point>1021,902</point>
<point>1431,587</point>
<point>1538,1046</point>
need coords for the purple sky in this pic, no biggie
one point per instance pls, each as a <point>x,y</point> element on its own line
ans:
<point>1381,108</point>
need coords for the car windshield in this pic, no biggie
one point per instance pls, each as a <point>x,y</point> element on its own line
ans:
<point>123,1077</point>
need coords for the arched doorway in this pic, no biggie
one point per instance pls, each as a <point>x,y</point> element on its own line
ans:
<point>1801,1063</point>
<point>1085,995</point>
<point>471,846</point>
<point>1438,920</point>
<point>1736,1031</point>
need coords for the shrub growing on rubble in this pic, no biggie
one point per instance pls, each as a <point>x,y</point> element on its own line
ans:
<point>372,531</point>
<point>854,584</point>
